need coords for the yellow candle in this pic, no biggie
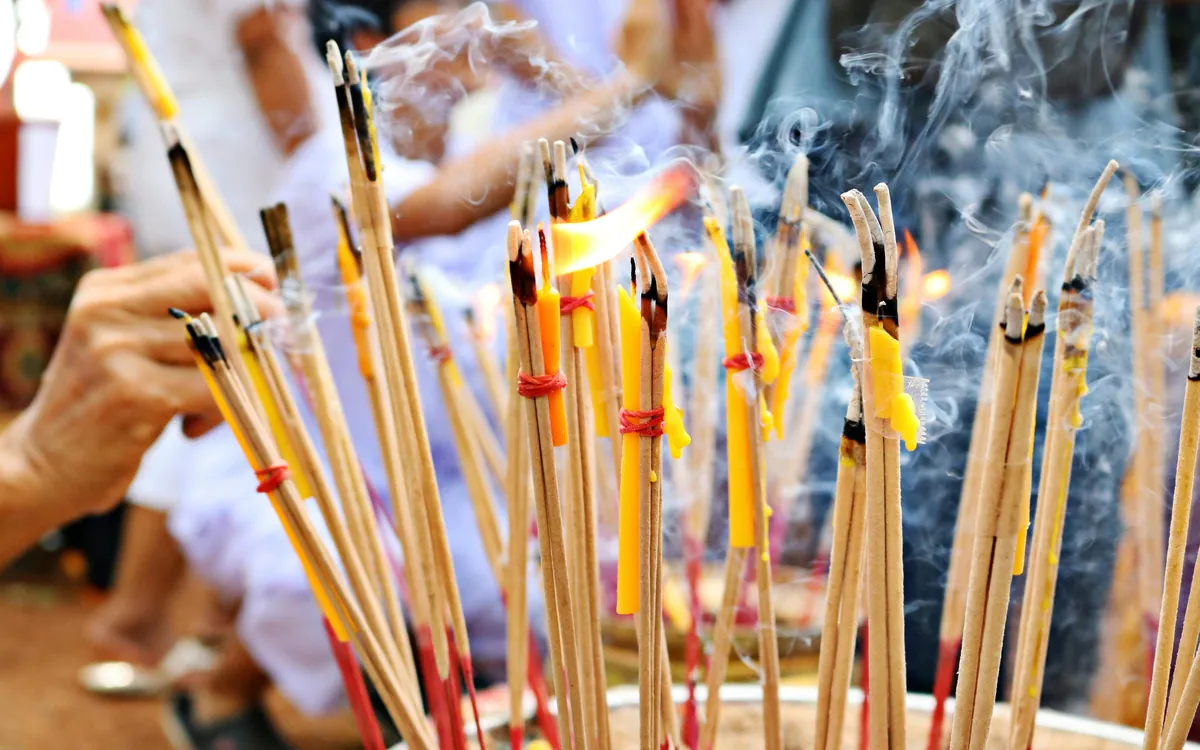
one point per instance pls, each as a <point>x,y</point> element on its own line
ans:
<point>628,520</point>
<point>887,380</point>
<point>737,428</point>
<point>591,360</point>
<point>548,316</point>
<point>583,320</point>
<point>796,328</point>
<point>673,427</point>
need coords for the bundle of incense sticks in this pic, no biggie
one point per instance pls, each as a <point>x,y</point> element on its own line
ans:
<point>840,625</point>
<point>1175,676</point>
<point>397,688</point>
<point>889,413</point>
<point>1000,514</point>
<point>409,461</point>
<point>1019,261</point>
<point>746,360</point>
<point>1130,632</point>
<point>1067,388</point>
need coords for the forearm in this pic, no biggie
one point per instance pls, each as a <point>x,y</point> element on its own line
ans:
<point>478,185</point>
<point>28,508</point>
<point>277,76</point>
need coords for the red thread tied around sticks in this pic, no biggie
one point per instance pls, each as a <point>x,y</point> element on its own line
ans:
<point>652,427</point>
<point>537,386</point>
<point>783,304</point>
<point>440,354</point>
<point>739,362</point>
<point>569,304</point>
<point>270,477</point>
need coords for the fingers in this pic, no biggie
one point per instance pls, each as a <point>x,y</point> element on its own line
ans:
<point>177,280</point>
<point>179,388</point>
<point>196,425</point>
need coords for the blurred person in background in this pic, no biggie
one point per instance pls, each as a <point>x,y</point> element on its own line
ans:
<point>436,193</point>
<point>247,93</point>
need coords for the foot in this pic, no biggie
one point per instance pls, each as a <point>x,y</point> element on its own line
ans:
<point>247,730</point>
<point>121,634</point>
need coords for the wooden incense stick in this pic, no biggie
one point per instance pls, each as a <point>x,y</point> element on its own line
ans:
<point>745,263</point>
<point>1067,388</point>
<point>371,208</point>
<point>1145,519</point>
<point>264,458</point>
<point>998,524</point>
<point>493,381</point>
<point>1180,716</point>
<point>564,648</point>
<point>840,625</point>
<point>154,87</point>
<point>885,587</point>
<point>431,327</point>
<point>580,464</point>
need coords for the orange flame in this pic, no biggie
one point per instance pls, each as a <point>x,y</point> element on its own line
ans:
<point>845,286</point>
<point>936,284</point>
<point>691,263</point>
<point>486,306</point>
<point>593,242</point>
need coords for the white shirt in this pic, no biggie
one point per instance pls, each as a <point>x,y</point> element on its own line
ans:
<point>195,44</point>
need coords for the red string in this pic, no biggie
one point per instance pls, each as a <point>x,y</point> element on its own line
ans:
<point>537,386</point>
<point>784,304</point>
<point>440,354</point>
<point>270,477</point>
<point>567,304</point>
<point>652,427</point>
<point>739,362</point>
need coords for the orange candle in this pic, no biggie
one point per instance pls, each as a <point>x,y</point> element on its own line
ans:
<point>548,315</point>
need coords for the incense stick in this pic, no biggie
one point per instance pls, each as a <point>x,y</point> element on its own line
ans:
<point>264,458</point>
<point>1067,388</point>
<point>885,587</point>
<point>564,649</point>
<point>1179,718</point>
<point>840,624</point>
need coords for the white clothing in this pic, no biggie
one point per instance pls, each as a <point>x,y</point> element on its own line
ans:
<point>231,535</point>
<point>195,44</point>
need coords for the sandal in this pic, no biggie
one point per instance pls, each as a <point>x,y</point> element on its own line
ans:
<point>251,730</point>
<point>122,679</point>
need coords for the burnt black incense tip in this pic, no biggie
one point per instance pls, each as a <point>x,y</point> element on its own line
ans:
<point>633,272</point>
<point>574,145</point>
<point>177,314</point>
<point>854,430</point>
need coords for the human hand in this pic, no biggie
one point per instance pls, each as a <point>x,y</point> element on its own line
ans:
<point>679,58</point>
<point>694,75</point>
<point>122,369</point>
<point>643,43</point>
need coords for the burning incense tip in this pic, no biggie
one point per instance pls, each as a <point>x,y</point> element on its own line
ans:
<point>1037,311</point>
<point>596,241</point>
<point>1194,369</point>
